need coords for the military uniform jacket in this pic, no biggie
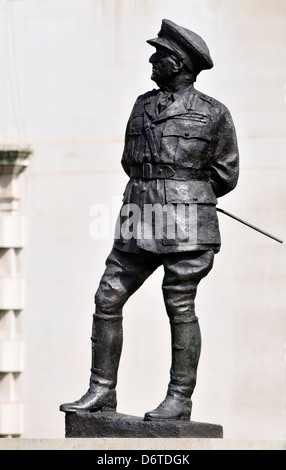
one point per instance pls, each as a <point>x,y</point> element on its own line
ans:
<point>179,162</point>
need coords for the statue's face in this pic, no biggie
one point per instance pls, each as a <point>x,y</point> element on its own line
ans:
<point>163,62</point>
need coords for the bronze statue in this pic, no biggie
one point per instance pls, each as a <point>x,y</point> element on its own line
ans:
<point>181,154</point>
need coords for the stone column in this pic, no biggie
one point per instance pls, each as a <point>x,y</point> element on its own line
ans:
<point>12,163</point>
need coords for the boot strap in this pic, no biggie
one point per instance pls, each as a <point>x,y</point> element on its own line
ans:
<point>104,316</point>
<point>183,319</point>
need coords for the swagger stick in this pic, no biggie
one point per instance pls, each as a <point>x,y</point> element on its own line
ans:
<point>249,225</point>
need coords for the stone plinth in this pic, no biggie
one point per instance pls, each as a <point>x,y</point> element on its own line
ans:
<point>142,445</point>
<point>116,425</point>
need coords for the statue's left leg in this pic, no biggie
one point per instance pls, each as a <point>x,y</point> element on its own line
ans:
<point>182,275</point>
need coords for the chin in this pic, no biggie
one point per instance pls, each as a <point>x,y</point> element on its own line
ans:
<point>155,79</point>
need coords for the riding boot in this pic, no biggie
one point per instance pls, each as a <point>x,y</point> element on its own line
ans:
<point>186,347</point>
<point>106,351</point>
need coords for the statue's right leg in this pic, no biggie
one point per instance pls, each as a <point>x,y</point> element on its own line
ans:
<point>124,274</point>
<point>105,355</point>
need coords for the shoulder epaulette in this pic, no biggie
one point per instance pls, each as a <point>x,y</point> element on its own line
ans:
<point>210,100</point>
<point>148,94</point>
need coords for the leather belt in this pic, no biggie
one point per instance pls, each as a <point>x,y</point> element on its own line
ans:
<point>149,171</point>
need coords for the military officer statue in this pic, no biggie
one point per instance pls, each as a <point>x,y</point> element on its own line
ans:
<point>181,155</point>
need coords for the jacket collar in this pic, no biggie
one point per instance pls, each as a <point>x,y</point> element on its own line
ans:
<point>181,105</point>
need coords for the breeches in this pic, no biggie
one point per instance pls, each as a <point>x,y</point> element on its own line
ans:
<point>126,272</point>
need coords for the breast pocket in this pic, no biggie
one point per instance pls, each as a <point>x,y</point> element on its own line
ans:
<point>135,138</point>
<point>136,125</point>
<point>188,141</point>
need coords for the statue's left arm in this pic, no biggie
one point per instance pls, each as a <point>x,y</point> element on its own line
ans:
<point>224,167</point>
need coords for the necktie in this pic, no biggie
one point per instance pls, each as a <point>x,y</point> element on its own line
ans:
<point>165,99</point>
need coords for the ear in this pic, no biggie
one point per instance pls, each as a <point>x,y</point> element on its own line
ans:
<point>178,66</point>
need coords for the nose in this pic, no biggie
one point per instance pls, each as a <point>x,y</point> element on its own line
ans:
<point>153,58</point>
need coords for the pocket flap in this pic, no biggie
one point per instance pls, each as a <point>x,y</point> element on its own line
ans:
<point>190,192</point>
<point>136,125</point>
<point>188,129</point>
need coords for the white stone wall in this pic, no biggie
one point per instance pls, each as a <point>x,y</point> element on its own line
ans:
<point>70,73</point>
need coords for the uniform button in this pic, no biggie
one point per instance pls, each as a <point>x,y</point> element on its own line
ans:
<point>160,171</point>
<point>187,134</point>
<point>152,126</point>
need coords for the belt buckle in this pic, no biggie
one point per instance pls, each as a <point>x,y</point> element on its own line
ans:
<point>147,170</point>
